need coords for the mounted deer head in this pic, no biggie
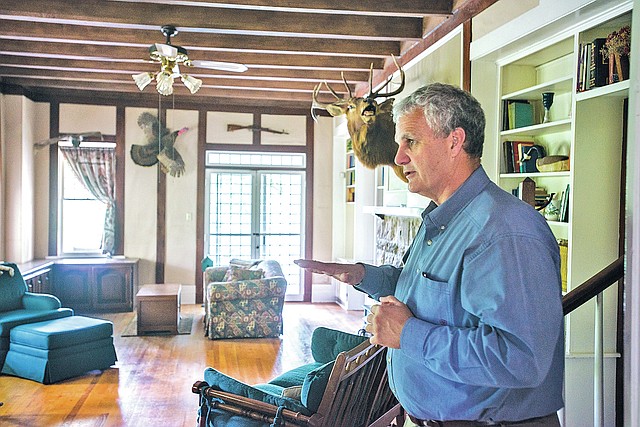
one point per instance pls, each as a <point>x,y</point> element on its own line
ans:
<point>370,124</point>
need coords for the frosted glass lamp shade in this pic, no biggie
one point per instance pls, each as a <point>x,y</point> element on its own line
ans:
<point>142,80</point>
<point>191,83</point>
<point>164,83</point>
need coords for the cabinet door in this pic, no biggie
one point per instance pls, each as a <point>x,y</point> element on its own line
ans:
<point>72,286</point>
<point>113,287</point>
<point>39,282</point>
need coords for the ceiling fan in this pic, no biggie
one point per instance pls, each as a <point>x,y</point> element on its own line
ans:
<point>170,57</point>
<point>73,138</point>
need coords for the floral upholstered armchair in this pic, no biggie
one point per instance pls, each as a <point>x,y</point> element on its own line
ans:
<point>244,301</point>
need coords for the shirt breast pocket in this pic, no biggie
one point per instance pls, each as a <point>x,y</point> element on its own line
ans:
<point>430,300</point>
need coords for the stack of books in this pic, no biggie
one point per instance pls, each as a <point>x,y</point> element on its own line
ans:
<point>593,66</point>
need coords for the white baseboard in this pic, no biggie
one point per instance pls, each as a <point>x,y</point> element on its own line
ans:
<point>323,292</point>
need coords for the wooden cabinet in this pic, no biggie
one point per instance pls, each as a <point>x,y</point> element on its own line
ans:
<point>37,276</point>
<point>90,285</point>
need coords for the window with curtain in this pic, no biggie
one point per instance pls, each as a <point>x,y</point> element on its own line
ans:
<point>87,200</point>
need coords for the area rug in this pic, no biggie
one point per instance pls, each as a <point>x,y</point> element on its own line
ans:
<point>184,328</point>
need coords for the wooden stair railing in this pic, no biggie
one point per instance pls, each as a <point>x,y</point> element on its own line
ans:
<point>592,287</point>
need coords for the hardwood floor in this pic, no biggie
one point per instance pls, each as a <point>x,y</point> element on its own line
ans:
<point>151,382</point>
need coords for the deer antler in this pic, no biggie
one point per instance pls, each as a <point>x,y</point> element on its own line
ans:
<point>346,85</point>
<point>377,94</point>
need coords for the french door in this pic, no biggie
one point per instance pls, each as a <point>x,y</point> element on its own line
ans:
<point>257,214</point>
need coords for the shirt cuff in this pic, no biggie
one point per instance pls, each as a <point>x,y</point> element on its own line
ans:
<point>370,283</point>
<point>414,336</point>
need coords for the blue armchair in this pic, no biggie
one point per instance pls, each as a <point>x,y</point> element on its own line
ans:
<point>17,306</point>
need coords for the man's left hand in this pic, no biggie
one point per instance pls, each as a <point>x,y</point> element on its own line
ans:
<point>386,321</point>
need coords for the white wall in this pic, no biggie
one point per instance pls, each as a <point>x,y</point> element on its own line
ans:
<point>140,201</point>
<point>17,139</point>
<point>323,289</point>
<point>180,256</point>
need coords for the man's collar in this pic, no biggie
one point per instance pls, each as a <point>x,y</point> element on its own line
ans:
<point>442,214</point>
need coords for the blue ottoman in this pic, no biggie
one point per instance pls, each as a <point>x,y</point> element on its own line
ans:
<point>58,349</point>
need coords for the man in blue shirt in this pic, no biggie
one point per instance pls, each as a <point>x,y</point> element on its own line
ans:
<point>473,321</point>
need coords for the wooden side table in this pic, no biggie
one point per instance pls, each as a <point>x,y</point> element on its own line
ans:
<point>158,308</point>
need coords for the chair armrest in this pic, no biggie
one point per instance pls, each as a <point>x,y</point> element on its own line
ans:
<point>243,407</point>
<point>247,289</point>
<point>32,301</point>
<point>248,394</point>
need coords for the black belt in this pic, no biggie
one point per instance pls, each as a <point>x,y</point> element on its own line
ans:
<point>464,423</point>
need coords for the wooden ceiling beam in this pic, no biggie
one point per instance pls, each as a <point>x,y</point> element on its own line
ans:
<point>179,89</point>
<point>284,74</point>
<point>125,79</point>
<point>12,29</point>
<point>141,55</point>
<point>395,8</point>
<point>226,20</point>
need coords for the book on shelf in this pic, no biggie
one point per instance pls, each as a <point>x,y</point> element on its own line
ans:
<point>593,66</point>
<point>519,114</point>
<point>351,195</point>
<point>351,161</point>
<point>599,65</point>
<point>513,155</point>
<point>351,177</point>
<point>583,67</point>
<point>564,205</point>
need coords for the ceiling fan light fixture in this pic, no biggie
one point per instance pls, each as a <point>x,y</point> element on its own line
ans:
<point>164,83</point>
<point>191,83</point>
<point>142,80</point>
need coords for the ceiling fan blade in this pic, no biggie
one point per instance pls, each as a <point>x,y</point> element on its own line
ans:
<point>223,66</point>
<point>166,50</point>
<point>47,142</point>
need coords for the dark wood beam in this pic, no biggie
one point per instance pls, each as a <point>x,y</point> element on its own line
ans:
<point>394,8</point>
<point>239,20</point>
<point>140,55</point>
<point>44,31</point>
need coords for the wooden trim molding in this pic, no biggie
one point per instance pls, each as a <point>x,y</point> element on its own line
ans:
<point>308,283</point>
<point>120,179</point>
<point>200,189</point>
<point>54,130</point>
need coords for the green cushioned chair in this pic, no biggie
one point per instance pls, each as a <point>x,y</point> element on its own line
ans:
<point>226,402</point>
<point>17,306</point>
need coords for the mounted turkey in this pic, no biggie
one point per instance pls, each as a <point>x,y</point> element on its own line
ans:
<point>160,146</point>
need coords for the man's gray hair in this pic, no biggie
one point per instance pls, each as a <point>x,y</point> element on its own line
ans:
<point>446,108</point>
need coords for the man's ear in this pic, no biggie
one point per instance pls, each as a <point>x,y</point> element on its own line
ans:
<point>457,137</point>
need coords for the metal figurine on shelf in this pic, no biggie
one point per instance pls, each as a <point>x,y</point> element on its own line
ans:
<point>547,101</point>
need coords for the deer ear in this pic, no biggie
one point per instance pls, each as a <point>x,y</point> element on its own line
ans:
<point>336,109</point>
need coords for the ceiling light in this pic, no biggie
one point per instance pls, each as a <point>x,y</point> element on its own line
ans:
<point>191,82</point>
<point>142,79</point>
<point>164,83</point>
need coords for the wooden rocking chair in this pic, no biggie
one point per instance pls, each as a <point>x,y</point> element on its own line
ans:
<point>357,395</point>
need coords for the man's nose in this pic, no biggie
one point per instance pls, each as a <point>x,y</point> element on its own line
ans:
<point>401,157</point>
